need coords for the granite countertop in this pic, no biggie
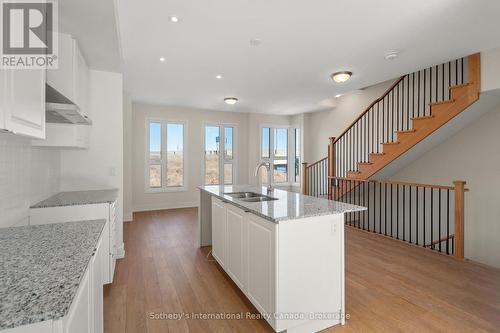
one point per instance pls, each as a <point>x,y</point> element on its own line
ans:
<point>289,206</point>
<point>41,267</point>
<point>74,198</point>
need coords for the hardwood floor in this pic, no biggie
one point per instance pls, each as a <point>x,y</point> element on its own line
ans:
<point>390,286</point>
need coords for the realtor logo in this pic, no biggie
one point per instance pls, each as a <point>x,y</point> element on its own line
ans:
<point>28,38</point>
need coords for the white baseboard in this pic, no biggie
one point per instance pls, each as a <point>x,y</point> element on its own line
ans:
<point>120,251</point>
<point>128,216</point>
<point>148,207</point>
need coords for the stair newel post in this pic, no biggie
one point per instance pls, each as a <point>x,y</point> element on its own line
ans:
<point>331,165</point>
<point>459,218</point>
<point>304,178</point>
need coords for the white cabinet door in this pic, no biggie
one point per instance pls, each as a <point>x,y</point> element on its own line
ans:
<point>61,79</point>
<point>236,245</point>
<point>71,78</point>
<point>97,310</point>
<point>23,105</point>
<point>219,231</point>
<point>79,318</point>
<point>261,263</point>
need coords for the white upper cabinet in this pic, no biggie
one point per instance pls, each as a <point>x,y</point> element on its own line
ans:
<point>22,105</point>
<point>71,78</point>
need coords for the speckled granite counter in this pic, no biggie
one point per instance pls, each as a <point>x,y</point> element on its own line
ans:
<point>289,206</point>
<point>41,267</point>
<point>78,198</point>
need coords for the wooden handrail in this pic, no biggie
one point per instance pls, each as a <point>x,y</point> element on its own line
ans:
<point>395,182</point>
<point>313,164</point>
<point>370,106</point>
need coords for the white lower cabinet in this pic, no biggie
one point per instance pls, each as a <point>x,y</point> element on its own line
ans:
<point>236,259</point>
<point>261,263</point>
<point>291,271</point>
<point>219,231</point>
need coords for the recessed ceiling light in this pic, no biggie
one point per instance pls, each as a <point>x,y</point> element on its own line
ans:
<point>162,59</point>
<point>338,95</point>
<point>218,77</point>
<point>341,77</point>
<point>391,55</point>
<point>174,19</point>
<point>231,100</point>
<point>255,42</point>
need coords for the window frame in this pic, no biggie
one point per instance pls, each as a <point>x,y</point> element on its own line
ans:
<point>163,161</point>
<point>222,160</point>
<point>290,153</point>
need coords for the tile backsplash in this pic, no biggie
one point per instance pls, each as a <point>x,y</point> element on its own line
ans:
<point>27,175</point>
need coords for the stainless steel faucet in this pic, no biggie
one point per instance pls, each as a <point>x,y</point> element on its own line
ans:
<point>268,167</point>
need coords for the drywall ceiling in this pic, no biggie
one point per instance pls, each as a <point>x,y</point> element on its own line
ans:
<point>303,42</point>
<point>93,24</point>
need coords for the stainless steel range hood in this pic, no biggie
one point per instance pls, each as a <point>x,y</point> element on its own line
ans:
<point>61,110</point>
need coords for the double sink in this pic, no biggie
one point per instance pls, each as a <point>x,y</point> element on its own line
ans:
<point>250,196</point>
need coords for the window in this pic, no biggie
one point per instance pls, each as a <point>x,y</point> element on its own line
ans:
<point>284,156</point>
<point>219,159</point>
<point>165,156</point>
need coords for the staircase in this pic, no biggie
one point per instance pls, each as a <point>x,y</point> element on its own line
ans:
<point>414,107</point>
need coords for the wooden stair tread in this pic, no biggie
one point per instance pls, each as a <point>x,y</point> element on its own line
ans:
<point>423,117</point>
<point>365,163</point>
<point>460,85</point>
<point>449,101</point>
<point>407,131</point>
<point>391,143</point>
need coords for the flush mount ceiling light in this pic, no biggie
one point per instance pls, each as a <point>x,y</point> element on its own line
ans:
<point>231,100</point>
<point>391,55</point>
<point>173,19</point>
<point>162,59</point>
<point>341,77</point>
<point>218,77</point>
<point>338,95</point>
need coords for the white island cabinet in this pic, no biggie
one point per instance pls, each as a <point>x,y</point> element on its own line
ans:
<point>286,255</point>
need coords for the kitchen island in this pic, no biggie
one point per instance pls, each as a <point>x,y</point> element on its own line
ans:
<point>284,250</point>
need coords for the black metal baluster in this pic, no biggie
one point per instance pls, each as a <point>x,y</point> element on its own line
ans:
<point>423,243</point>
<point>380,208</point>
<point>439,237</point>
<point>392,208</point>
<point>449,79</point>
<point>437,83</point>
<point>418,95</point>
<point>397,211</point>
<point>408,104</point>
<point>385,214</point>
<point>409,221</point>
<point>416,224</point>
<point>447,220</point>
<point>432,218</point>
<point>462,70</point>
<point>404,215</point>
<point>425,105</point>
<point>456,72</point>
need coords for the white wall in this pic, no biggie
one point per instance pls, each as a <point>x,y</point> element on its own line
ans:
<point>127,158</point>
<point>490,70</point>
<point>194,156</point>
<point>100,166</point>
<point>471,155</point>
<point>27,176</point>
<point>319,126</point>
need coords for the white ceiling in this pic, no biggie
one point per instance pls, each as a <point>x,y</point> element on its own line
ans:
<point>303,42</point>
<point>93,24</point>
